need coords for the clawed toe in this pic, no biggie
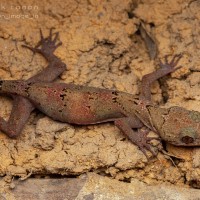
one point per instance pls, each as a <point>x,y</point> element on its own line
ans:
<point>34,50</point>
<point>55,38</point>
<point>145,148</point>
<point>59,44</point>
<point>166,59</point>
<point>41,35</point>
<point>148,147</point>
<point>175,59</point>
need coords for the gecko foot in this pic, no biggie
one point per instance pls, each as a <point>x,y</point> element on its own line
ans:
<point>5,127</point>
<point>143,144</point>
<point>170,65</point>
<point>48,45</point>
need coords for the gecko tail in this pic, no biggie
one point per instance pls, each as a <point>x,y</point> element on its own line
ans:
<point>13,87</point>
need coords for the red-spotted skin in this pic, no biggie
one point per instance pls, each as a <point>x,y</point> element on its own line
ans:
<point>70,103</point>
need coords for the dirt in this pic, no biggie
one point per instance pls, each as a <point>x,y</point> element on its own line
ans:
<point>102,47</point>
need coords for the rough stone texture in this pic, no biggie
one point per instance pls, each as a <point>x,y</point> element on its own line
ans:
<point>95,187</point>
<point>102,48</point>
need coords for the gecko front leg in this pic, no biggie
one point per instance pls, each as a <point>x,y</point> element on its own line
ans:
<point>22,107</point>
<point>139,137</point>
<point>165,68</point>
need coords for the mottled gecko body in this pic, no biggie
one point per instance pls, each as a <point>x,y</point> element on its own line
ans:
<point>88,105</point>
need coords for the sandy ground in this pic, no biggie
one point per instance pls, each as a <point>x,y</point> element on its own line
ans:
<point>102,47</point>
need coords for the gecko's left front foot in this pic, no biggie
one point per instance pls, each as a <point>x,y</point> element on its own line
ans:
<point>47,45</point>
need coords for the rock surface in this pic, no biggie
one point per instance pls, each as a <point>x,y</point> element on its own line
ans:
<point>102,47</point>
<point>95,187</point>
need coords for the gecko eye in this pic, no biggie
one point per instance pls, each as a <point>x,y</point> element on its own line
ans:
<point>188,135</point>
<point>187,140</point>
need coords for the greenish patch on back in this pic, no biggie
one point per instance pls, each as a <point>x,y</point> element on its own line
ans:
<point>195,116</point>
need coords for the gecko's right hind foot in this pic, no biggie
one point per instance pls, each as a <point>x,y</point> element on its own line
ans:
<point>171,65</point>
<point>47,45</point>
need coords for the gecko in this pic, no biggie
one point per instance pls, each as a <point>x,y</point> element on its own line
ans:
<point>135,116</point>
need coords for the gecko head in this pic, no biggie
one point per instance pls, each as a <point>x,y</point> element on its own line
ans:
<point>178,126</point>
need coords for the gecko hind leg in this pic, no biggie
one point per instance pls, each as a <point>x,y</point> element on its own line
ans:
<point>22,107</point>
<point>165,68</point>
<point>21,111</point>
<point>46,47</point>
